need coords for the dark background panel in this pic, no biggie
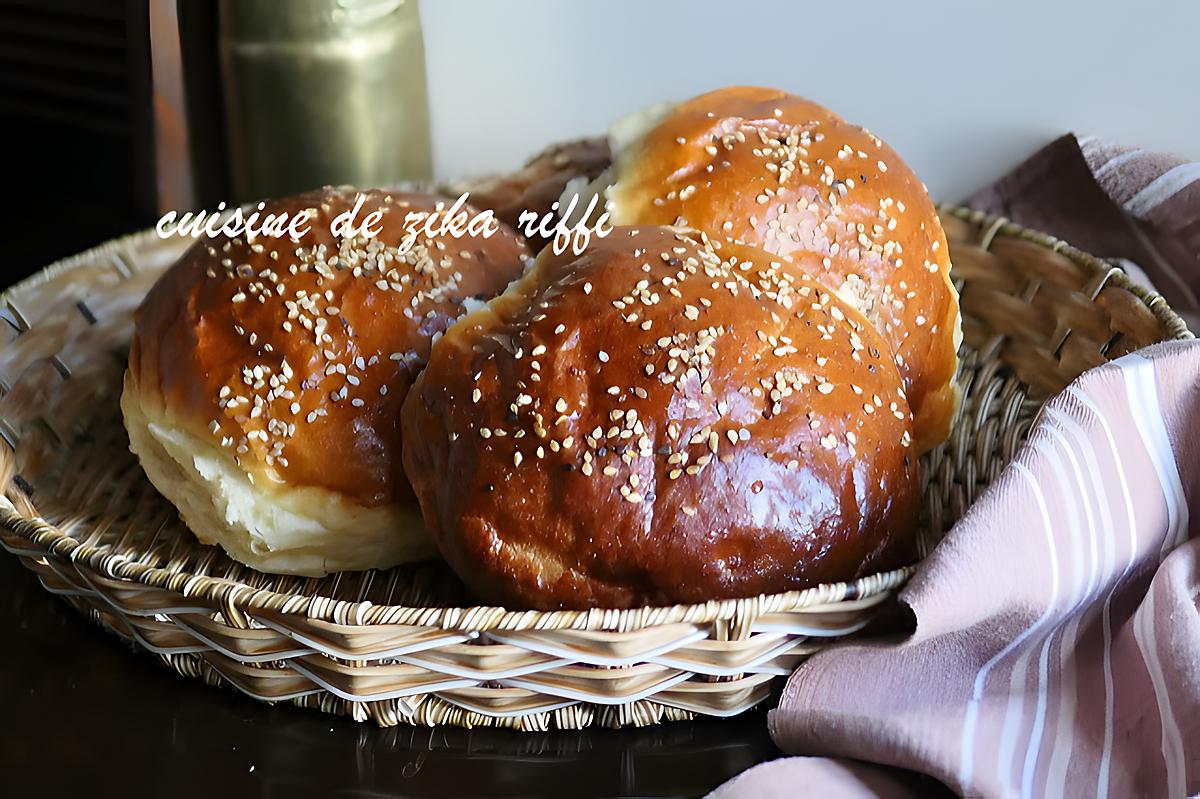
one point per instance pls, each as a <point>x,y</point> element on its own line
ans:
<point>76,115</point>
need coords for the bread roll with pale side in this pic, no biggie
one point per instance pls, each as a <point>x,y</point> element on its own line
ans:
<point>266,377</point>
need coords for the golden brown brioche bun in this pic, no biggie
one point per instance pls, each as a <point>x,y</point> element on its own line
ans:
<point>773,170</point>
<point>266,377</point>
<point>664,419</point>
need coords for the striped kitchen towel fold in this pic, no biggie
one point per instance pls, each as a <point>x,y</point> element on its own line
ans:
<point>1056,649</point>
<point>1057,643</point>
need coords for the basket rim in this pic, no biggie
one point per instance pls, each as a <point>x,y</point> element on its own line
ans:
<point>237,596</point>
<point>998,225</point>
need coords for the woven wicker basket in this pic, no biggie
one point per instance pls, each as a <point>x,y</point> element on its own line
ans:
<point>404,645</point>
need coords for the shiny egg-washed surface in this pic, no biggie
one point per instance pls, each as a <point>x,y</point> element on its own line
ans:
<point>664,419</point>
<point>773,170</point>
<point>296,356</point>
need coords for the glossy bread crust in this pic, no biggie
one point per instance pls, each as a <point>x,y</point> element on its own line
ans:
<point>296,356</point>
<point>664,419</point>
<point>776,171</point>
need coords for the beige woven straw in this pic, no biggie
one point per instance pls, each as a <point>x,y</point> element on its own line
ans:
<point>404,645</point>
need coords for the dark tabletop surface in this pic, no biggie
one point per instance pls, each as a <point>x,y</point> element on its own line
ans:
<point>85,715</point>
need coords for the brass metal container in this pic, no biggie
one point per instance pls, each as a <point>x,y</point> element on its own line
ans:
<point>323,92</point>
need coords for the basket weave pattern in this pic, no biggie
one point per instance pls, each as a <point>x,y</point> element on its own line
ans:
<point>404,645</point>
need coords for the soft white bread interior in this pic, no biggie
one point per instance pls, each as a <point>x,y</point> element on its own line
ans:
<point>304,530</point>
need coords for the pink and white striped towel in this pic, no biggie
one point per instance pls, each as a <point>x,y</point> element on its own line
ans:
<point>1057,642</point>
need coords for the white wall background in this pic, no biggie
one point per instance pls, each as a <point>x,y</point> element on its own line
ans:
<point>963,90</point>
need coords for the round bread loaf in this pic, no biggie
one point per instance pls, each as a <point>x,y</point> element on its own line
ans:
<point>666,418</point>
<point>266,377</point>
<point>770,169</point>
